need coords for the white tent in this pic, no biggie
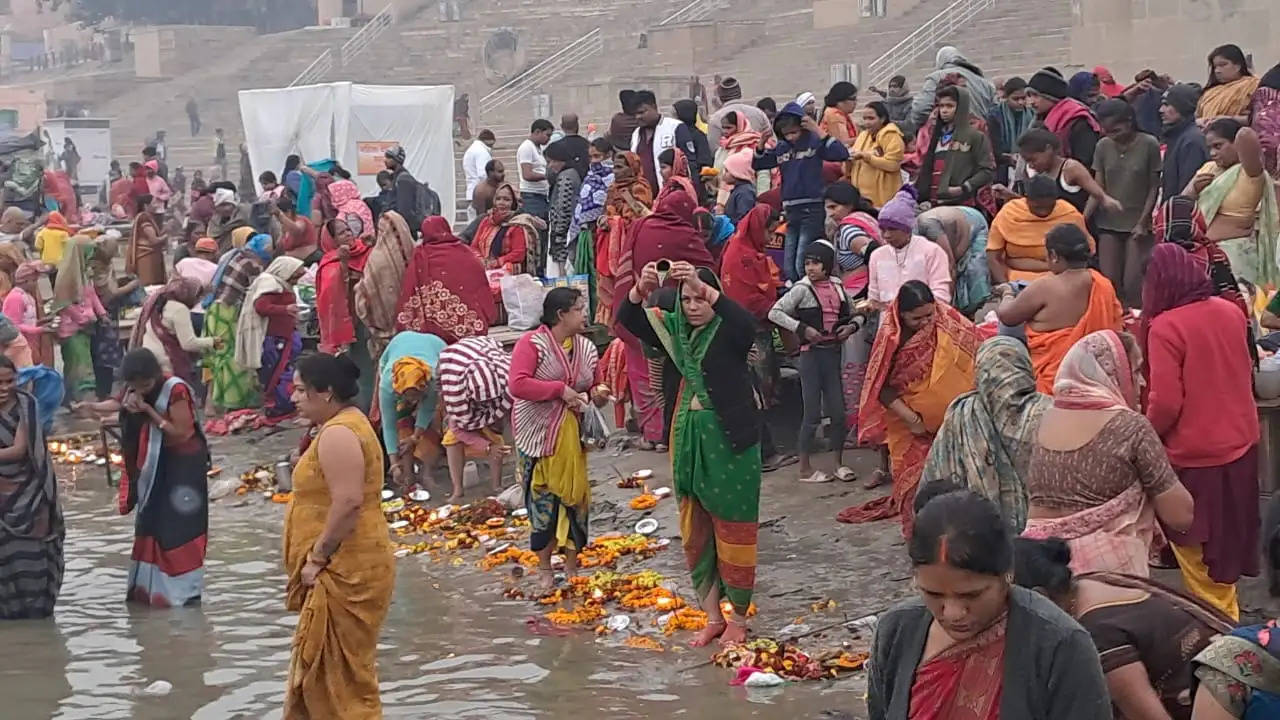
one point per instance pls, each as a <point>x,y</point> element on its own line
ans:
<point>354,124</point>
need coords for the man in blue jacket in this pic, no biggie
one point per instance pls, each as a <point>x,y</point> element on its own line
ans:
<point>799,155</point>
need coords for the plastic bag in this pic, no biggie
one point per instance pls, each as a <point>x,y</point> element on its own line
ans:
<point>591,428</point>
<point>522,297</point>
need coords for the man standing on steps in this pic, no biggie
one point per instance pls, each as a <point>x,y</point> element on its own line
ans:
<point>474,160</point>
<point>193,116</point>
<point>576,145</point>
<point>655,134</point>
<point>412,199</point>
<point>220,153</point>
<point>462,116</point>
<point>534,187</point>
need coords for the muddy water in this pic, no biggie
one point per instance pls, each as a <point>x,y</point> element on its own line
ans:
<point>450,648</point>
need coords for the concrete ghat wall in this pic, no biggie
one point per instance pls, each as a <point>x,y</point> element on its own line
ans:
<point>1171,36</point>
<point>171,50</point>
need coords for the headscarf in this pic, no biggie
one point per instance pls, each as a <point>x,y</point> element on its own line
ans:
<point>668,233</point>
<point>29,270</point>
<point>985,442</point>
<point>224,196</point>
<point>251,328</point>
<point>1180,222</point>
<point>744,137</point>
<point>805,98</point>
<point>260,246</point>
<point>745,268</point>
<point>1095,375</point>
<point>409,373</point>
<point>446,290</point>
<point>1080,84</point>
<point>73,274</point>
<point>208,244</point>
<point>1173,279</point>
<point>900,212</point>
<point>1107,84</point>
<point>184,290</point>
<point>333,303</point>
<point>625,195</point>
<point>241,235</point>
<point>351,208</point>
<point>738,166</point>
<point>378,291</point>
<point>680,178</point>
<point>13,220</point>
<point>56,221</point>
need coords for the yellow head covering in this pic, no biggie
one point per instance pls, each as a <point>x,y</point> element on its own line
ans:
<point>409,373</point>
<point>241,235</point>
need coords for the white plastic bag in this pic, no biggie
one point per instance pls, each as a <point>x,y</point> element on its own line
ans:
<point>522,297</point>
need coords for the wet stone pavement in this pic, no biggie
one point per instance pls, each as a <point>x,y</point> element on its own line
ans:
<point>452,646</point>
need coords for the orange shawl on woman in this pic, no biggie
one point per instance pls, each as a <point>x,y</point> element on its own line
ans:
<point>146,251</point>
<point>928,370</point>
<point>1229,99</point>
<point>626,201</point>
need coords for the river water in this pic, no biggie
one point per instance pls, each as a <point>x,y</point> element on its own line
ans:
<point>451,646</point>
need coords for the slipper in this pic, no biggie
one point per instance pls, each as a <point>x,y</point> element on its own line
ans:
<point>844,474</point>
<point>816,478</point>
<point>785,459</point>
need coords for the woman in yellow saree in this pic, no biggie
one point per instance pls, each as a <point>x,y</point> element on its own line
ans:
<point>336,550</point>
<point>1230,89</point>
<point>923,358</point>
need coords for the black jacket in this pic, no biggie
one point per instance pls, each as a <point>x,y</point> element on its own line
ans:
<point>1185,153</point>
<point>725,370</point>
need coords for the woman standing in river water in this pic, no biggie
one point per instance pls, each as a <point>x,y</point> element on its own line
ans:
<point>166,461</point>
<point>336,550</point>
<point>31,529</point>
<point>715,436</point>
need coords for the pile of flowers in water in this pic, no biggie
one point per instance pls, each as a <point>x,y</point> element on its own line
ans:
<point>83,449</point>
<point>452,528</point>
<point>262,479</point>
<point>788,661</point>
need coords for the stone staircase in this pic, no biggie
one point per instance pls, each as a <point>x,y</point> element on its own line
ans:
<point>270,61</point>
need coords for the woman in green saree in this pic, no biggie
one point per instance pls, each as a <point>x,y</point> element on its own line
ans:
<point>715,436</point>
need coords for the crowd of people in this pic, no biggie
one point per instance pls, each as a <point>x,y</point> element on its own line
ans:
<point>1033,300</point>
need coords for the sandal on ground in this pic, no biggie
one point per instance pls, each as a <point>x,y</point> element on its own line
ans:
<point>878,478</point>
<point>818,477</point>
<point>845,474</point>
<point>660,447</point>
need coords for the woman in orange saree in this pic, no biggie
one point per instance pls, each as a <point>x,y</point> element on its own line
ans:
<point>146,250</point>
<point>504,236</point>
<point>629,199</point>
<point>922,359</point>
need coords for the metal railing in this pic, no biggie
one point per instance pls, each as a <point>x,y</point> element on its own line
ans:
<point>940,26</point>
<point>694,11</point>
<point>377,25</point>
<point>316,70</point>
<point>553,67</point>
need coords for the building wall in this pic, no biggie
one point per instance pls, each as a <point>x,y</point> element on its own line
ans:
<point>30,105</point>
<point>848,13</point>
<point>1171,36</point>
<point>687,45</point>
<point>171,50</point>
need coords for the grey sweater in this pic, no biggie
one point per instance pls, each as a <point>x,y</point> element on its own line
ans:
<point>1051,667</point>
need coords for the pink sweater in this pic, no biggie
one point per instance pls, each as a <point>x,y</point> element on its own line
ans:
<point>921,260</point>
<point>1201,389</point>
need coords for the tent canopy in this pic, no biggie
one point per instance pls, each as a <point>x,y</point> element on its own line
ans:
<point>354,124</point>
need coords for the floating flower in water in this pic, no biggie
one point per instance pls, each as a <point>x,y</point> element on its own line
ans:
<point>579,615</point>
<point>641,642</point>
<point>788,661</point>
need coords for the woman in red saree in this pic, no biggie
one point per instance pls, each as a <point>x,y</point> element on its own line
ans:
<point>667,233</point>
<point>629,199</point>
<point>674,167</point>
<point>505,235</point>
<point>445,291</point>
<point>344,259</point>
<point>972,646</point>
<point>922,359</point>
